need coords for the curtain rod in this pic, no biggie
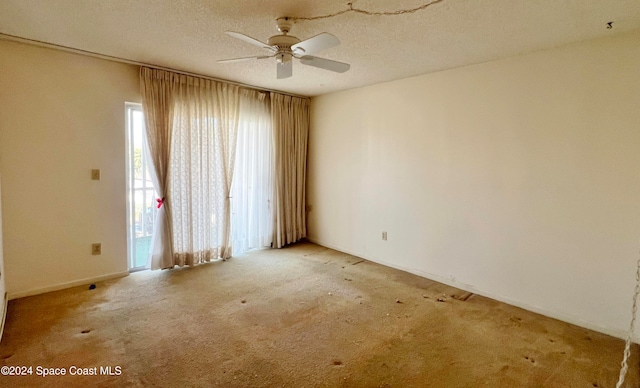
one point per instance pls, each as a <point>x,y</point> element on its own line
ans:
<point>39,43</point>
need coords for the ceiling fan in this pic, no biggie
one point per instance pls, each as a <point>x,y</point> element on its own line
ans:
<point>285,47</point>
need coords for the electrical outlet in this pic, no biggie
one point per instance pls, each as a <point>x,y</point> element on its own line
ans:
<point>95,174</point>
<point>96,249</point>
<point>384,236</point>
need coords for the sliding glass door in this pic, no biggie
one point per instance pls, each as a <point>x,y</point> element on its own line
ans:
<point>141,193</point>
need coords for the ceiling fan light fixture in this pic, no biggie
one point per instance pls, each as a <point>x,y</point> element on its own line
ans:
<point>284,57</point>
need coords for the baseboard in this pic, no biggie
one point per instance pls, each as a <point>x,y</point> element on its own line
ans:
<point>62,286</point>
<point>622,334</point>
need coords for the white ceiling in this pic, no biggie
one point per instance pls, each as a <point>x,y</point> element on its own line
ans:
<point>188,35</point>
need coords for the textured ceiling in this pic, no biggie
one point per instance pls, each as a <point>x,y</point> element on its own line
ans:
<point>188,35</point>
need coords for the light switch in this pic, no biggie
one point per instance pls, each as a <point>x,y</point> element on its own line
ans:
<point>95,174</point>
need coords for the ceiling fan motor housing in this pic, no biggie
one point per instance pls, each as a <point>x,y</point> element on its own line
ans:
<point>283,41</point>
<point>282,44</point>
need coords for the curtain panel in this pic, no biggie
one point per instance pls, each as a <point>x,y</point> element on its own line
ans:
<point>205,128</point>
<point>156,89</point>
<point>290,121</point>
<point>252,191</point>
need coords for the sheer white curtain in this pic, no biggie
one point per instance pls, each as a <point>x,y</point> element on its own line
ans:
<point>252,188</point>
<point>205,128</point>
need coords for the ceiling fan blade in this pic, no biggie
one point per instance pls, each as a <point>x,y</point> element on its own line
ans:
<point>326,64</point>
<point>315,44</point>
<point>243,59</point>
<point>248,39</point>
<point>285,70</point>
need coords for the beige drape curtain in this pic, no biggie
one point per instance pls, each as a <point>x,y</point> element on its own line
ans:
<point>156,90</point>
<point>290,122</point>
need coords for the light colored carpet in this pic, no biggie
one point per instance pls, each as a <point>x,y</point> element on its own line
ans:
<point>303,316</point>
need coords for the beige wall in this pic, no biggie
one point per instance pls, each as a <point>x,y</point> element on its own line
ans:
<point>518,179</point>
<point>62,115</point>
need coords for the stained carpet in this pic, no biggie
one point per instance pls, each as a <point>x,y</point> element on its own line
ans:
<point>303,316</point>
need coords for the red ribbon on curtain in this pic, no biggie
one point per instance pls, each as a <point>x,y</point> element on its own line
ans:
<point>160,201</point>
